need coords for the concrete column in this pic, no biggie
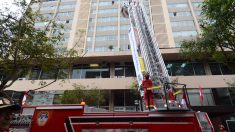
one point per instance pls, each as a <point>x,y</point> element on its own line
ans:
<point>111,101</point>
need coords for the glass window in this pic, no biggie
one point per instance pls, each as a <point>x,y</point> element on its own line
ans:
<point>124,37</point>
<point>108,11</point>
<point>124,47</point>
<point>48,8</point>
<point>194,97</point>
<point>221,96</point>
<point>105,73</point>
<point>63,73</point>
<point>129,70</point>
<point>65,14</point>
<point>182,23</point>
<point>215,68</point>
<point>118,97</point>
<point>232,95</point>
<point>106,28</point>
<point>130,97</point>
<point>199,69</point>
<point>197,4</point>
<point>50,74</point>
<point>105,3</point>
<point>76,73</point>
<point>185,13</point>
<point>89,38</point>
<point>35,73</point>
<point>107,19</point>
<point>105,103</point>
<point>227,69</point>
<point>185,69</point>
<point>89,48</point>
<point>106,38</point>
<point>124,27</point>
<point>67,6</point>
<point>178,6</point>
<point>198,13</point>
<point>85,71</point>
<point>184,33</point>
<point>119,71</point>
<point>68,0</point>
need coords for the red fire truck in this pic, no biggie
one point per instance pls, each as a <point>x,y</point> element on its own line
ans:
<point>81,118</point>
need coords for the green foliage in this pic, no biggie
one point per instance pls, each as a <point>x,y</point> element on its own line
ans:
<point>217,40</point>
<point>91,96</point>
<point>22,46</point>
<point>134,89</point>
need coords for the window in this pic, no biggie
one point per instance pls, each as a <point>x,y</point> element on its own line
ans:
<point>107,19</point>
<point>48,8</point>
<point>178,6</point>
<point>197,4</point>
<point>106,28</point>
<point>88,39</point>
<point>35,73</point>
<point>194,97</point>
<point>124,37</point>
<point>67,7</point>
<point>199,69</point>
<point>198,13</point>
<point>104,3</point>
<point>106,38</point>
<point>221,96</point>
<point>185,33</point>
<point>185,69</point>
<point>181,23</point>
<point>50,74</point>
<point>174,14</point>
<point>40,24</point>
<point>124,47</point>
<point>108,11</point>
<point>124,27</point>
<point>222,69</point>
<point>86,71</point>
<point>65,14</point>
<point>119,71</point>
<point>215,69</point>
<point>127,70</point>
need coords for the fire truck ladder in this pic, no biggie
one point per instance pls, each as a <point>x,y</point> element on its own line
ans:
<point>149,48</point>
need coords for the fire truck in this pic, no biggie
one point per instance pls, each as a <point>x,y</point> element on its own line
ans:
<point>167,115</point>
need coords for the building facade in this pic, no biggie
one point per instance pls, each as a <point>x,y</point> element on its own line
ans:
<point>98,30</point>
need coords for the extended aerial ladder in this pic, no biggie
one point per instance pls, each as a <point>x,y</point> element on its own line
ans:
<point>145,50</point>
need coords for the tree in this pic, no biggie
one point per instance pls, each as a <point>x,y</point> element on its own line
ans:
<point>22,46</point>
<point>217,40</point>
<point>92,97</point>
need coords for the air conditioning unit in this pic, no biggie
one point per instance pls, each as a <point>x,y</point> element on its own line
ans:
<point>22,78</point>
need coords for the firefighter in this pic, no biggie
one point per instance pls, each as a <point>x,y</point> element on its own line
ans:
<point>83,102</point>
<point>148,94</point>
<point>6,113</point>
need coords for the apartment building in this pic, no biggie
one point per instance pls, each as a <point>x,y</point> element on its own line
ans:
<point>98,29</point>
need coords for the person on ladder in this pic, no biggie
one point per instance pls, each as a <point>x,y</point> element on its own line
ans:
<point>148,94</point>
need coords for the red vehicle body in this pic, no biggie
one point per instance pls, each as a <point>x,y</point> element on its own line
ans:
<point>78,118</point>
